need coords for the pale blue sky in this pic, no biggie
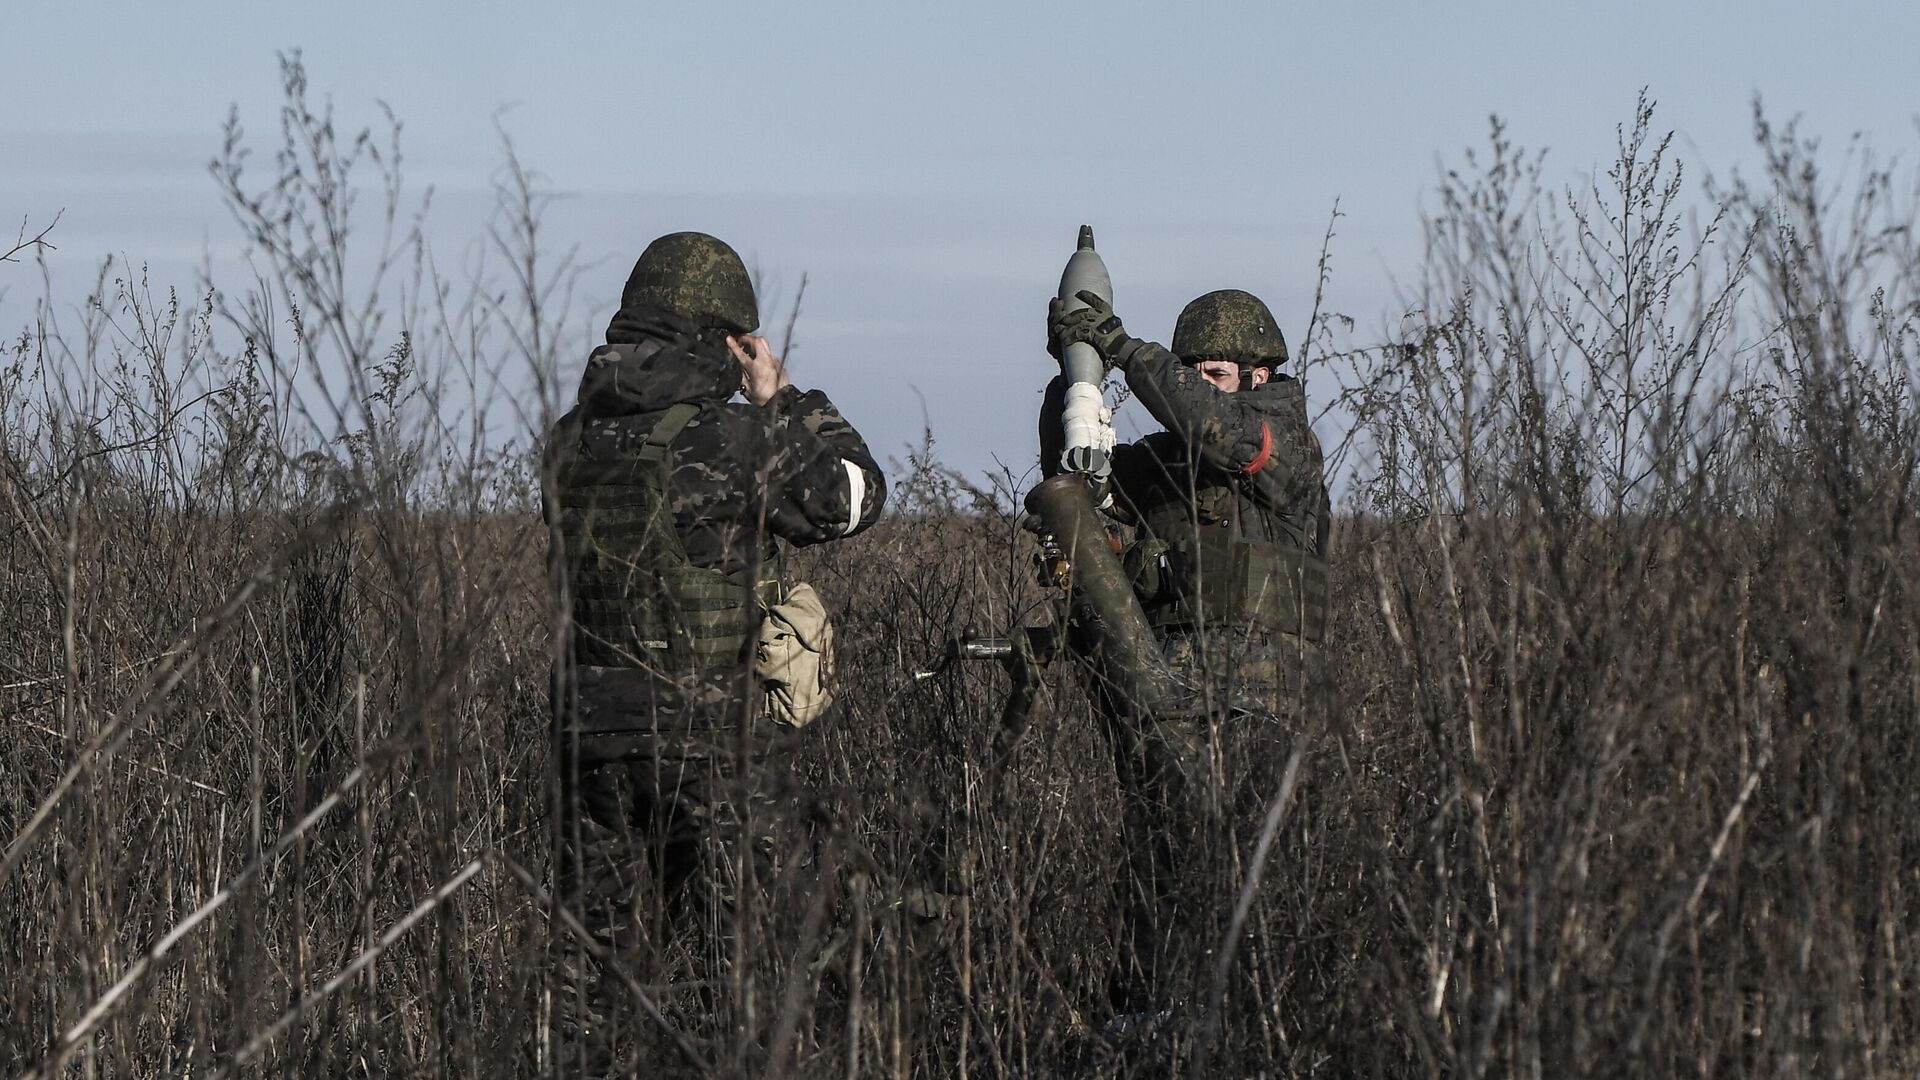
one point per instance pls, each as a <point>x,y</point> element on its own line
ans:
<point>926,165</point>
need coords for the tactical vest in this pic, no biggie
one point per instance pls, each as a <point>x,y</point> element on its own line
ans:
<point>637,600</point>
<point>1196,569</point>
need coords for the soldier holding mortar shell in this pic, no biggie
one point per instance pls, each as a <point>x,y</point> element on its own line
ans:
<point>1229,513</point>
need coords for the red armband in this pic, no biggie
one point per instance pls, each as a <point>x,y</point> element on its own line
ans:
<point>1266,451</point>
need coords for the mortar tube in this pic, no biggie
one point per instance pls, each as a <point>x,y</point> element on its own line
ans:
<point>1126,654</point>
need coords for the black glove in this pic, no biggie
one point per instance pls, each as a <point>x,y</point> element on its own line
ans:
<point>1095,324</point>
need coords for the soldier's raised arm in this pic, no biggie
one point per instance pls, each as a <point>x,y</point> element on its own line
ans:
<point>1264,437</point>
<point>822,481</point>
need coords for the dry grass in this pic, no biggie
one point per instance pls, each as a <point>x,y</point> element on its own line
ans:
<point>1609,763</point>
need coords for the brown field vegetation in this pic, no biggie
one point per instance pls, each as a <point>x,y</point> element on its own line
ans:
<point>1608,767</point>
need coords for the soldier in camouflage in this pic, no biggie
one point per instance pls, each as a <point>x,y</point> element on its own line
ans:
<point>1229,511</point>
<point>669,503</point>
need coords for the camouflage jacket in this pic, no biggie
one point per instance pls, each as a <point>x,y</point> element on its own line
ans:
<point>740,476</point>
<point>1256,446</point>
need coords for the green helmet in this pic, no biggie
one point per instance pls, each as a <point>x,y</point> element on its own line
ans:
<point>694,275</point>
<point>1229,325</point>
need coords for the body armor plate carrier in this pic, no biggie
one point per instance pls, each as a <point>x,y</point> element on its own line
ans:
<point>637,601</point>
<point>1193,574</point>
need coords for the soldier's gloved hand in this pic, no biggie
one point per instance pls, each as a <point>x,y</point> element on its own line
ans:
<point>1095,324</point>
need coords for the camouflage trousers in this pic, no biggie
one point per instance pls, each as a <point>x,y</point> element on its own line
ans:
<point>666,837</point>
<point>1196,786</point>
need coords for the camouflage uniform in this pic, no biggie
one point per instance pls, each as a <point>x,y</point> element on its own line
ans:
<point>1230,514</point>
<point>670,502</point>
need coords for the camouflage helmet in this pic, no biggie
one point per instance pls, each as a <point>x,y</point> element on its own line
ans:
<point>696,276</point>
<point>1229,325</point>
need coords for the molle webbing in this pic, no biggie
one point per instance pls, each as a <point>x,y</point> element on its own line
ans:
<point>1218,579</point>
<point>637,601</point>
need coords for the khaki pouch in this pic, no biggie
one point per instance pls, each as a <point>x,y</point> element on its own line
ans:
<point>794,658</point>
